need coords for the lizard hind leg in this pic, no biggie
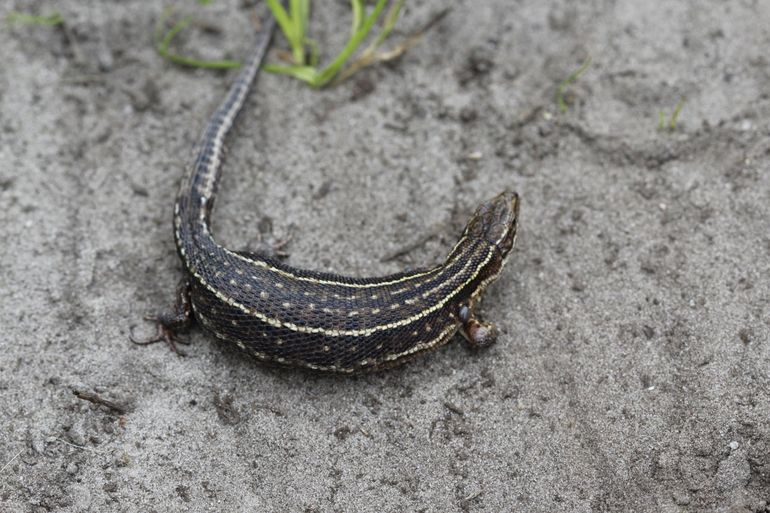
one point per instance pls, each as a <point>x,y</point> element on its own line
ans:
<point>169,324</point>
<point>478,334</point>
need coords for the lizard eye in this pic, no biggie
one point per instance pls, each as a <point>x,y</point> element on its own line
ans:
<point>496,232</point>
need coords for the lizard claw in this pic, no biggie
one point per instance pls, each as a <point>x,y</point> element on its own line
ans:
<point>169,324</point>
<point>164,333</point>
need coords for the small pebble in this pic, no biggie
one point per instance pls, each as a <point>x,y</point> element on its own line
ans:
<point>476,155</point>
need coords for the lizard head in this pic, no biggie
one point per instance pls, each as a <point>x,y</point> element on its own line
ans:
<point>495,221</point>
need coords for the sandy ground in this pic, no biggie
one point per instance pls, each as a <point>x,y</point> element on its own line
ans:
<point>633,369</point>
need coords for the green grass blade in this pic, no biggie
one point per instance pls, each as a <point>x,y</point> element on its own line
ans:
<point>567,82</point>
<point>675,115</point>
<point>287,27</point>
<point>298,11</point>
<point>164,41</point>
<point>671,125</point>
<point>307,74</point>
<point>282,17</point>
<point>32,19</point>
<point>294,24</point>
<point>390,22</point>
<point>358,15</point>
<point>325,75</point>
